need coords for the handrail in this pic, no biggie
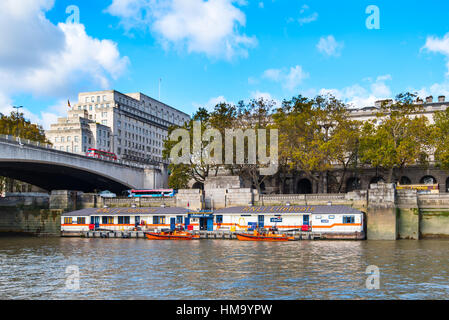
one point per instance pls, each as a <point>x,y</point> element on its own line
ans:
<point>46,146</point>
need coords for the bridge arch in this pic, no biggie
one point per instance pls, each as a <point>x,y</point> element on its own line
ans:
<point>428,180</point>
<point>353,184</point>
<point>53,176</point>
<point>304,186</point>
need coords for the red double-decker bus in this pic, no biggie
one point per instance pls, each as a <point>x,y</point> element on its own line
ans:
<point>100,154</point>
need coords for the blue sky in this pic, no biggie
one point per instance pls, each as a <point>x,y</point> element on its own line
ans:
<point>221,50</point>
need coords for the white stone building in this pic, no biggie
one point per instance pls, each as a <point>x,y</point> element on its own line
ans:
<point>76,134</point>
<point>137,124</point>
<point>428,110</point>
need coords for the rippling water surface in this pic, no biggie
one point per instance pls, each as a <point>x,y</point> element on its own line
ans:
<point>34,268</point>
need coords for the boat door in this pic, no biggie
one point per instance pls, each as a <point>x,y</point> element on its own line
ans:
<point>305,220</point>
<point>186,222</point>
<point>172,224</point>
<point>95,220</point>
<point>210,224</point>
<point>261,221</point>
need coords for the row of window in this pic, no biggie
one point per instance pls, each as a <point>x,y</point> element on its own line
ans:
<point>121,220</point>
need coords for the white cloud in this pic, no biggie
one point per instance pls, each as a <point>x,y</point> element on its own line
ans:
<point>44,118</point>
<point>329,46</point>
<point>272,74</point>
<point>361,96</point>
<point>209,27</point>
<point>305,18</point>
<point>290,79</point>
<point>265,96</point>
<point>211,103</point>
<point>437,45</point>
<point>44,59</point>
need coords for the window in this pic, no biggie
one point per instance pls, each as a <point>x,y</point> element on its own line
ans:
<point>123,220</point>
<point>81,220</point>
<point>159,220</point>
<point>107,220</point>
<point>104,122</point>
<point>332,217</point>
<point>178,219</point>
<point>219,219</point>
<point>67,220</point>
<point>348,219</point>
<point>318,217</point>
<point>69,138</point>
<point>76,138</point>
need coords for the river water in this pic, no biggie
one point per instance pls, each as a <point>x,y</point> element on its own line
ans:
<point>35,268</point>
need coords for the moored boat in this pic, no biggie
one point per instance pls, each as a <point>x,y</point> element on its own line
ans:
<point>171,235</point>
<point>262,235</point>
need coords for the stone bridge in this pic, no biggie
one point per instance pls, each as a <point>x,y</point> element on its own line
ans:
<point>50,169</point>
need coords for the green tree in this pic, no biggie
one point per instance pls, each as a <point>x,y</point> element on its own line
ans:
<point>441,138</point>
<point>16,125</point>
<point>397,137</point>
<point>197,169</point>
<point>310,131</point>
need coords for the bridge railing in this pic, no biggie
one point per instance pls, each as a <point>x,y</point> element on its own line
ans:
<point>21,141</point>
<point>25,141</point>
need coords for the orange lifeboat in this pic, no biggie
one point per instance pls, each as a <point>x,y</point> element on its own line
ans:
<point>258,235</point>
<point>171,235</point>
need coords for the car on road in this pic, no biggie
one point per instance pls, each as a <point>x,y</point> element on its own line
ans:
<point>107,194</point>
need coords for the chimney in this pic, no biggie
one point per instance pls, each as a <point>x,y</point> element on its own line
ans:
<point>385,102</point>
<point>441,99</point>
<point>419,101</point>
<point>429,99</point>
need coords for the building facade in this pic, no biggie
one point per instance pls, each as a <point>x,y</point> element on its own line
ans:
<point>429,107</point>
<point>133,126</point>
<point>76,133</point>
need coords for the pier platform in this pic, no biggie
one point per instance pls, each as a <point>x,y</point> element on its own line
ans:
<point>212,235</point>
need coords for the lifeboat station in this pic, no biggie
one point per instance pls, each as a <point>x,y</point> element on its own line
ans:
<point>301,222</point>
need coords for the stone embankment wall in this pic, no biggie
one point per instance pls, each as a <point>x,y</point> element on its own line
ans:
<point>29,215</point>
<point>390,214</point>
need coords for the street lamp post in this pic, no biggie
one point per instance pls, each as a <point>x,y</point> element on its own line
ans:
<point>17,115</point>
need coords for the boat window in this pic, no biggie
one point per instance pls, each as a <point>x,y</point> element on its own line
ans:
<point>219,219</point>
<point>178,219</point>
<point>348,219</point>
<point>67,220</point>
<point>318,217</point>
<point>332,217</point>
<point>123,220</point>
<point>159,220</point>
<point>107,220</point>
<point>81,220</point>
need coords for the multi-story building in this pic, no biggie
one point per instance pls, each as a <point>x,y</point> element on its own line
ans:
<point>429,107</point>
<point>138,125</point>
<point>77,133</point>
